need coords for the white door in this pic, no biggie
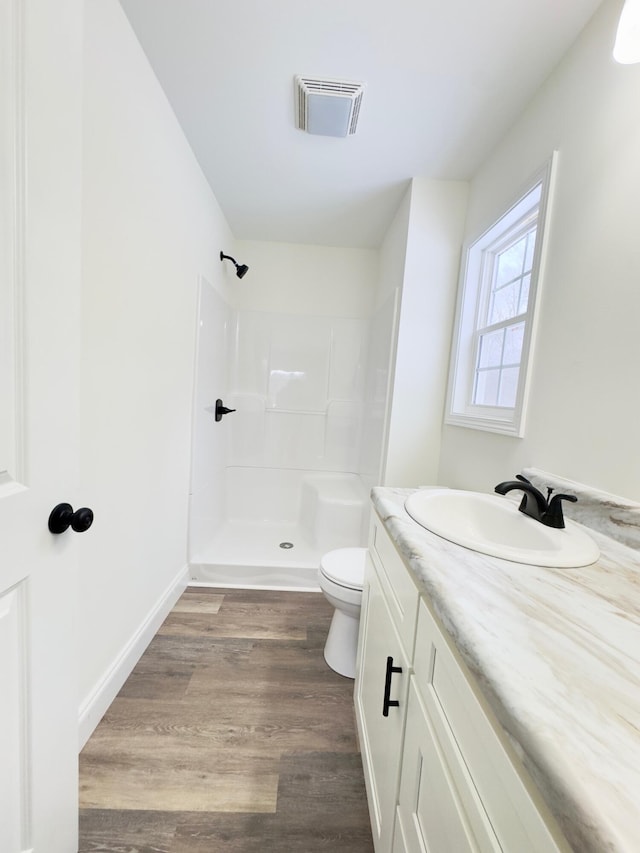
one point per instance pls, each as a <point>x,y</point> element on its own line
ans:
<point>40,171</point>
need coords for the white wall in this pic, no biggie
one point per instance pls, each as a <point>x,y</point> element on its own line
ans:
<point>393,251</point>
<point>434,215</point>
<point>151,227</point>
<point>584,405</point>
<point>288,278</point>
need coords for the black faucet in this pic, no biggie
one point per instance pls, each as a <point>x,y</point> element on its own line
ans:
<point>534,504</point>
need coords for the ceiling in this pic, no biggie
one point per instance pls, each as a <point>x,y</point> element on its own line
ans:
<point>444,80</point>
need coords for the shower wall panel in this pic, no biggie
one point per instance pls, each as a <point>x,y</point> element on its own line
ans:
<point>209,439</point>
<point>298,386</point>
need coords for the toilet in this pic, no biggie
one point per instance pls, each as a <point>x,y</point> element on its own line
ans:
<point>341,577</point>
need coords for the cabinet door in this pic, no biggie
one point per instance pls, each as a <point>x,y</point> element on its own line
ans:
<point>439,810</point>
<point>380,735</point>
<point>400,844</point>
<point>463,727</point>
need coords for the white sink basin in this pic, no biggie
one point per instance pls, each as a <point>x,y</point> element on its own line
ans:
<point>493,525</point>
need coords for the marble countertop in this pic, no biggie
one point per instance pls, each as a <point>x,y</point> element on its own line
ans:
<point>556,652</point>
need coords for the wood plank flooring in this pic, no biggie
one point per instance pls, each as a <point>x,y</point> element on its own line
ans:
<point>231,735</point>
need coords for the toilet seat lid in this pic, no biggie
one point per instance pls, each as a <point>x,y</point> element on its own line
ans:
<point>345,566</point>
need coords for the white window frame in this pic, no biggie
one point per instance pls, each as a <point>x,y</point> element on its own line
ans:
<point>473,293</point>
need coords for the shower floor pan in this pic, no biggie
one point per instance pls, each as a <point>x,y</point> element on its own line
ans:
<point>249,554</point>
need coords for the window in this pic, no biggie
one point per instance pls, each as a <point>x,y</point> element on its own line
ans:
<point>495,317</point>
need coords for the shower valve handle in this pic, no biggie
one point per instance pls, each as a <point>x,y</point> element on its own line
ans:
<point>221,410</point>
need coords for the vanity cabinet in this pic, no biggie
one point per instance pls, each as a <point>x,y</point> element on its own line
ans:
<point>387,630</point>
<point>441,777</point>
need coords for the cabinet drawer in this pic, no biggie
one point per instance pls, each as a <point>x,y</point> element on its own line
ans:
<point>508,795</point>
<point>398,585</point>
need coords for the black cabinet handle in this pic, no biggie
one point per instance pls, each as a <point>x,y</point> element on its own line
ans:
<point>386,702</point>
<point>62,517</point>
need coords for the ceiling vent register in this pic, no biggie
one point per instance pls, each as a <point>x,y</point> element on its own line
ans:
<point>327,107</point>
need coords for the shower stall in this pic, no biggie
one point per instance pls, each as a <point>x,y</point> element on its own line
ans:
<point>286,476</point>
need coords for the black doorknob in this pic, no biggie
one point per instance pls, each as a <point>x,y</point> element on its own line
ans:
<point>221,410</point>
<point>62,517</point>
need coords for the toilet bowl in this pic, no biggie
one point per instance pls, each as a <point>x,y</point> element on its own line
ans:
<point>341,576</point>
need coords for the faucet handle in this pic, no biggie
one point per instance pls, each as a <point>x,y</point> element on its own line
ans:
<point>554,517</point>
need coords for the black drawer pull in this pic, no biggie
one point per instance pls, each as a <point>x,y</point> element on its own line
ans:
<point>389,703</point>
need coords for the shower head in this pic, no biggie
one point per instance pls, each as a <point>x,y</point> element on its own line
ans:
<point>241,269</point>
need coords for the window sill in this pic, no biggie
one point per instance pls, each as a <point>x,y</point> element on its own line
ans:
<point>497,425</point>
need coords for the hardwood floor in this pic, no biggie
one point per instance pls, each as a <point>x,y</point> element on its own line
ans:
<point>231,735</point>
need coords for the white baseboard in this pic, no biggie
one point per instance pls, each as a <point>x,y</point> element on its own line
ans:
<point>105,691</point>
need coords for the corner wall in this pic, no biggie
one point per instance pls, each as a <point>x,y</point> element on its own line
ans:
<point>433,214</point>
<point>584,407</point>
<point>382,347</point>
<point>151,227</point>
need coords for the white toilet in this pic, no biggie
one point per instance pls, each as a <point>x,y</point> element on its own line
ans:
<point>341,576</point>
